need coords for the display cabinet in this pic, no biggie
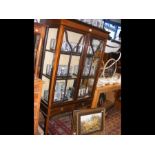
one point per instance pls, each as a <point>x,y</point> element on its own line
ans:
<point>39,34</point>
<point>71,61</point>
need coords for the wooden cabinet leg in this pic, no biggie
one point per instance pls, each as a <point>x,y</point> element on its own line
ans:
<point>117,101</point>
<point>46,125</point>
<point>95,99</point>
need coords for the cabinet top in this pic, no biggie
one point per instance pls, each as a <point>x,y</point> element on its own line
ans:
<point>75,24</point>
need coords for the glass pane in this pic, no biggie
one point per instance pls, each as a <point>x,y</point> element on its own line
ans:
<point>70,88</point>
<point>36,44</point>
<point>95,46</point>
<point>83,90</point>
<point>74,65</point>
<point>51,40</point>
<point>90,85</point>
<point>86,87</point>
<point>72,41</point>
<point>59,90</point>
<point>87,66</point>
<point>110,69</point>
<point>36,40</point>
<point>94,66</point>
<point>45,88</point>
<point>63,65</point>
<point>48,63</point>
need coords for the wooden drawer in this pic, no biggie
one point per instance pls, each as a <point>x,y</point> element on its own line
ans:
<point>83,104</point>
<point>62,109</point>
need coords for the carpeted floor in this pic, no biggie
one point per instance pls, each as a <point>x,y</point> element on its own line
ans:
<point>61,125</point>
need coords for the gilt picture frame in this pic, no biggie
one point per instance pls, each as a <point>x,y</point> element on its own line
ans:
<point>89,121</point>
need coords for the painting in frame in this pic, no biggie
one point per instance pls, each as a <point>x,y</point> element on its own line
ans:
<point>89,121</point>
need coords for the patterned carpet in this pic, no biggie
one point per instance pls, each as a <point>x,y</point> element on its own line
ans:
<point>61,125</point>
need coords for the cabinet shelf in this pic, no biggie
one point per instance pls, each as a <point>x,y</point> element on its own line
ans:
<point>66,77</point>
<point>61,77</point>
<point>62,102</point>
<point>47,76</point>
<point>87,77</point>
<point>90,55</point>
<point>83,97</point>
<point>51,50</point>
<point>70,53</point>
<point>66,52</point>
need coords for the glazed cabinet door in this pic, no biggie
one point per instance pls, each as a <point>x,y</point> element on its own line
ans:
<point>68,72</point>
<point>47,61</point>
<point>91,67</point>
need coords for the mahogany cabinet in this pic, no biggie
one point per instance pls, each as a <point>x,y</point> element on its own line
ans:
<point>71,60</point>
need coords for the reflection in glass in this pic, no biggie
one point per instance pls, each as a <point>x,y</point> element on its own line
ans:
<point>94,66</point>
<point>70,88</point>
<point>36,44</point>
<point>53,44</point>
<point>72,42</point>
<point>95,46</point>
<point>51,39</point>
<point>59,90</point>
<point>63,65</point>
<point>48,69</point>
<point>65,47</point>
<point>83,90</point>
<point>87,66</point>
<point>86,87</point>
<point>48,63</point>
<point>36,40</point>
<point>74,65</point>
<point>45,88</point>
<point>62,70</point>
<point>90,85</point>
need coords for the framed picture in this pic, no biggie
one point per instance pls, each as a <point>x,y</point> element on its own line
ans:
<point>88,121</point>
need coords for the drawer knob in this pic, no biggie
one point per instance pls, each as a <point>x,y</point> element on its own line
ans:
<point>61,109</point>
<point>90,30</point>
